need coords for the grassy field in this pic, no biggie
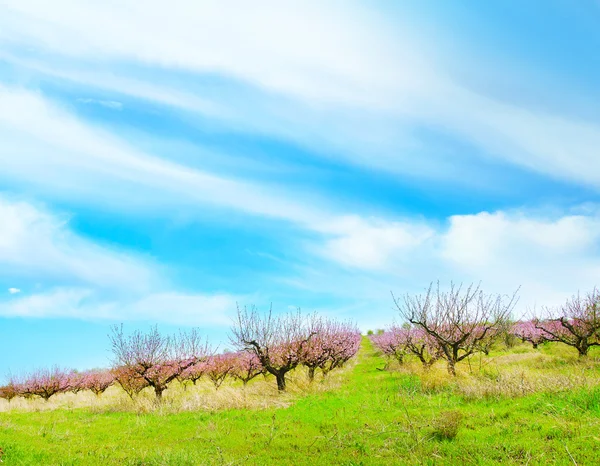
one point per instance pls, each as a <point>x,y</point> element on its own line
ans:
<point>516,407</point>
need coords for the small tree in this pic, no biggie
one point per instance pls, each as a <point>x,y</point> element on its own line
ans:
<point>576,323</point>
<point>341,343</point>
<point>97,381</point>
<point>246,366</point>
<point>46,383</point>
<point>277,341</point>
<point>218,368</point>
<point>421,344</point>
<point>10,390</point>
<point>158,359</point>
<point>527,331</point>
<point>129,380</point>
<point>194,372</point>
<point>389,344</point>
<point>75,382</point>
<point>398,342</point>
<point>460,320</point>
<point>317,351</point>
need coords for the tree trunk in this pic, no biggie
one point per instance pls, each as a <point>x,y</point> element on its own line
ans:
<point>451,368</point>
<point>427,364</point>
<point>583,350</point>
<point>311,374</point>
<point>280,376</point>
<point>158,391</point>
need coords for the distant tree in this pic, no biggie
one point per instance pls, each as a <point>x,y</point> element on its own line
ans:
<point>390,345</point>
<point>75,382</point>
<point>10,390</point>
<point>129,380</point>
<point>576,323</point>
<point>421,344</point>
<point>218,368</point>
<point>277,341</point>
<point>398,342</point>
<point>153,357</point>
<point>46,383</point>
<point>246,366</point>
<point>528,331</point>
<point>460,320</point>
<point>97,381</point>
<point>342,342</point>
<point>194,372</point>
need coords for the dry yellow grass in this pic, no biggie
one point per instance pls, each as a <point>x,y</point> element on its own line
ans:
<point>507,375</point>
<point>260,393</point>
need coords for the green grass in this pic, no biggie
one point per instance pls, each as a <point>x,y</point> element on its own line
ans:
<point>373,417</point>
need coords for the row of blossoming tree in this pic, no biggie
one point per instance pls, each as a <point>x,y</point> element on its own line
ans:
<point>576,323</point>
<point>453,325</point>
<point>266,344</point>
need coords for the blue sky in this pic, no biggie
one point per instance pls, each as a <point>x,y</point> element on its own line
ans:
<point>162,162</point>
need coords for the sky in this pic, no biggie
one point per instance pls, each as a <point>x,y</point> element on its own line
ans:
<point>164,162</point>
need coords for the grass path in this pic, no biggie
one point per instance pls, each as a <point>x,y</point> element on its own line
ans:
<point>375,417</point>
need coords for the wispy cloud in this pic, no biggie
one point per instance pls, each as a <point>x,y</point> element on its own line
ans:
<point>90,159</point>
<point>112,104</point>
<point>87,304</point>
<point>268,45</point>
<point>35,243</point>
<point>81,279</point>
<point>86,159</point>
<point>358,84</point>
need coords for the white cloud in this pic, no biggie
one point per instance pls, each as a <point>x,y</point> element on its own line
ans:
<point>329,76</point>
<point>56,303</point>
<point>84,160</point>
<point>35,243</point>
<point>550,256</point>
<point>86,304</point>
<point>191,308</point>
<point>372,243</point>
<point>355,82</point>
<point>79,278</point>
<point>309,49</point>
<point>48,147</point>
<point>484,238</point>
<point>555,145</point>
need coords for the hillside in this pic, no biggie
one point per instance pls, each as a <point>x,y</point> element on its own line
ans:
<point>520,407</point>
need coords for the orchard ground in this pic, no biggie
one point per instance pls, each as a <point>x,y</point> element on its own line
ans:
<point>515,406</point>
